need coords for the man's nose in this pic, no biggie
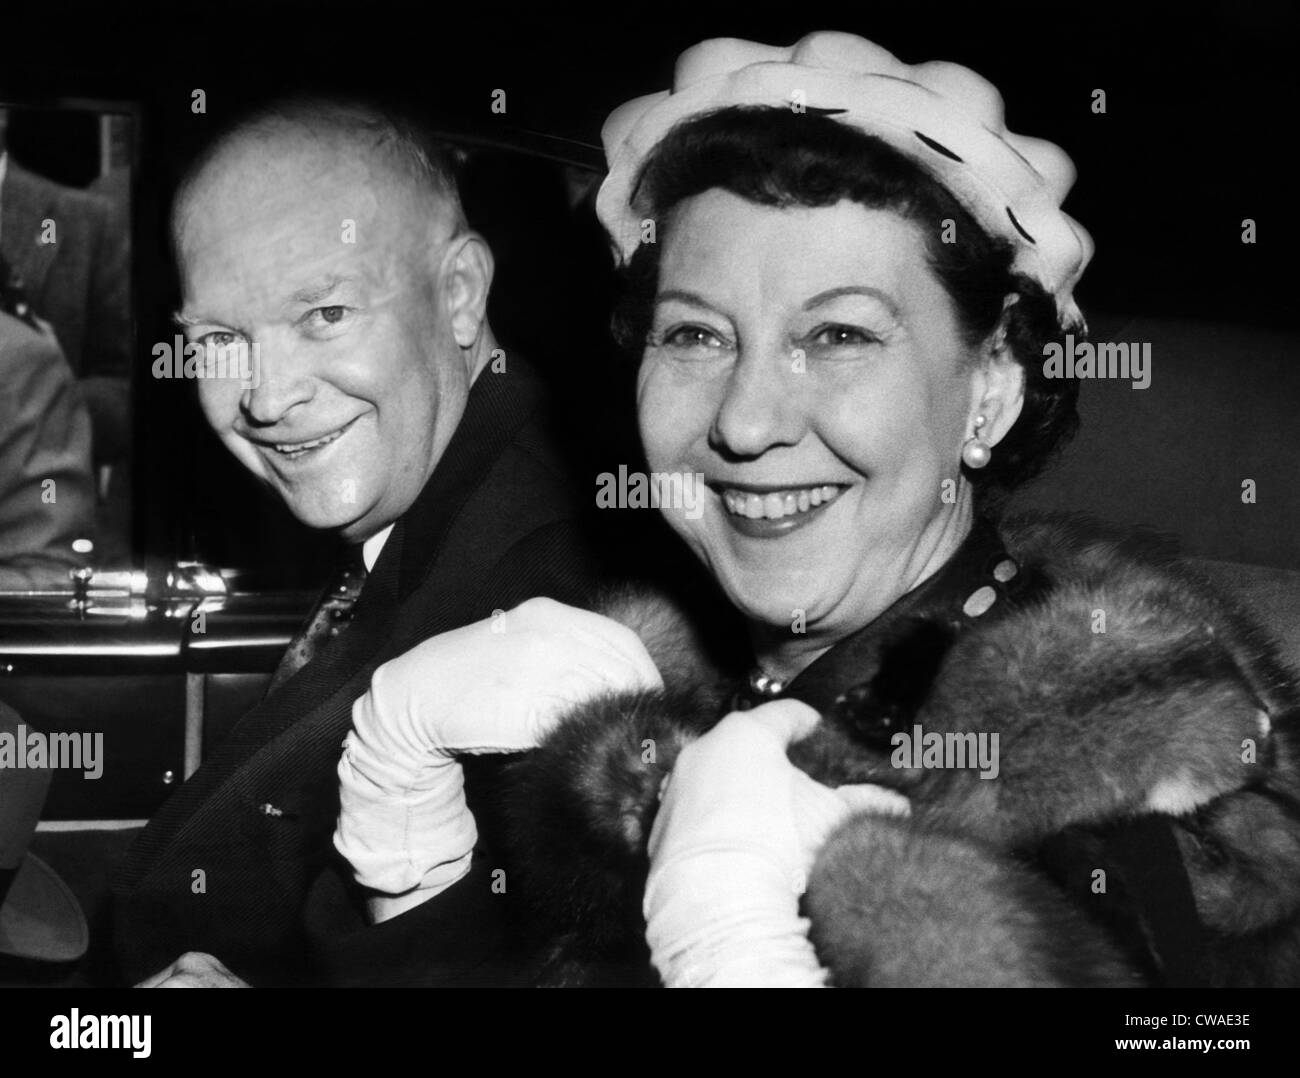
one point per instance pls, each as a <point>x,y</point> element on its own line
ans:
<point>280,381</point>
<point>764,405</point>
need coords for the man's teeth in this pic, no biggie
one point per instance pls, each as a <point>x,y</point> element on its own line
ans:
<point>778,504</point>
<point>293,449</point>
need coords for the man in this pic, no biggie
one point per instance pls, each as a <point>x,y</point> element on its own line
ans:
<point>71,257</point>
<point>330,241</point>
<point>47,495</point>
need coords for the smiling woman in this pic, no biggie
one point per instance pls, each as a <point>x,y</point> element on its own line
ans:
<point>849,358</point>
<point>843,273</point>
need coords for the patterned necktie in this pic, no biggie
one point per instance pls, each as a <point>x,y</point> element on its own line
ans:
<point>328,618</point>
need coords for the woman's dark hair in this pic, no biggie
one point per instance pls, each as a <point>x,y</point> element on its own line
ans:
<point>775,157</point>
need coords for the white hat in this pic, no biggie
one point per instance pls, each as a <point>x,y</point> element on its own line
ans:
<point>943,116</point>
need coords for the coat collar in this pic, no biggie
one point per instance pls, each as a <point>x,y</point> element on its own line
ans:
<point>974,581</point>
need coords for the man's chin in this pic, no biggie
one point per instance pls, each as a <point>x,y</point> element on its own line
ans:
<point>348,521</point>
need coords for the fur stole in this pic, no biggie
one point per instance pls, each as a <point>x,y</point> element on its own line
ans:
<point>1122,688</point>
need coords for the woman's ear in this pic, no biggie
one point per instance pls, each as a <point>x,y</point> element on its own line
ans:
<point>999,383</point>
<point>467,278</point>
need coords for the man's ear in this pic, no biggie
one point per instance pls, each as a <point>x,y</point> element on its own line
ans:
<point>467,278</point>
<point>999,387</point>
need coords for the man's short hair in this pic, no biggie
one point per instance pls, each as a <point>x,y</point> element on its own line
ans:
<point>428,161</point>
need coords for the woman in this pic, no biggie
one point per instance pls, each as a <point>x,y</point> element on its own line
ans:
<point>1060,759</point>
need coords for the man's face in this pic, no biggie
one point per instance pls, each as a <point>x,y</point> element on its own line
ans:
<point>329,261</point>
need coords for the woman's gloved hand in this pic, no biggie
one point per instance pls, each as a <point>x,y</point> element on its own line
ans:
<point>495,686</point>
<point>738,829</point>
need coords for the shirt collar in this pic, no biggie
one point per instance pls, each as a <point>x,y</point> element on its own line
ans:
<point>371,547</point>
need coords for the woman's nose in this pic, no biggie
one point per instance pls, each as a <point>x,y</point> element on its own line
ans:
<point>763,406</point>
<point>280,381</point>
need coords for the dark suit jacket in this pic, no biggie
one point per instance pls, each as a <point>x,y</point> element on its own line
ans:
<point>44,434</point>
<point>226,865</point>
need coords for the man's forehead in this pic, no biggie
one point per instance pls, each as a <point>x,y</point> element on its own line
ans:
<point>273,219</point>
<point>278,170</point>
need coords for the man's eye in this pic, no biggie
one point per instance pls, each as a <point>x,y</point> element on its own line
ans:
<point>220,339</point>
<point>325,317</point>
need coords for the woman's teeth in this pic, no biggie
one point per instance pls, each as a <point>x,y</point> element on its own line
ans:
<point>777,504</point>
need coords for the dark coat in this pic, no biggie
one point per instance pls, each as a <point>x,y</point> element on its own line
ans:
<point>496,524</point>
<point>1143,827</point>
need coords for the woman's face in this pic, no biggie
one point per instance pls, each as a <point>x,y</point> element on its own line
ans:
<point>808,363</point>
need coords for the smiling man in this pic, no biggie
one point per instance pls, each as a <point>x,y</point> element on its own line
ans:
<point>357,279</point>
<point>329,239</point>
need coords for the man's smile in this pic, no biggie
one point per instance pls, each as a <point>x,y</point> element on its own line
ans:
<point>303,448</point>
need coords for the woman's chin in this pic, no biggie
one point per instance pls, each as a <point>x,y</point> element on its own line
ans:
<point>777,607</point>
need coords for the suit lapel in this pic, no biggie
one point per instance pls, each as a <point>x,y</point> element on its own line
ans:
<point>499,405</point>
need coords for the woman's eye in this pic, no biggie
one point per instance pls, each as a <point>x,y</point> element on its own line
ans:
<point>839,335</point>
<point>691,337</point>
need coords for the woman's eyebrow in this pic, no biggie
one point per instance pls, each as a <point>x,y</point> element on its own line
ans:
<point>683,296</point>
<point>852,290</point>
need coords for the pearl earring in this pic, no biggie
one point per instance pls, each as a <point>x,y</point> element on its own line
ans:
<point>973,451</point>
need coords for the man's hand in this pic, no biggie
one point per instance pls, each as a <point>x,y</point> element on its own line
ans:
<point>498,685</point>
<point>194,969</point>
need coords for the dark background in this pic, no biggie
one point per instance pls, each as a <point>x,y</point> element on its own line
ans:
<point>1201,98</point>
<point>1198,134</point>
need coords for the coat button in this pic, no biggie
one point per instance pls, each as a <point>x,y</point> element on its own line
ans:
<point>980,600</point>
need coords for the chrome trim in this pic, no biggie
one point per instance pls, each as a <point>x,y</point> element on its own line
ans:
<point>92,650</point>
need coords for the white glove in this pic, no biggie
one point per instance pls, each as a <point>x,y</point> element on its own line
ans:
<point>194,969</point>
<point>498,685</point>
<point>738,829</point>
